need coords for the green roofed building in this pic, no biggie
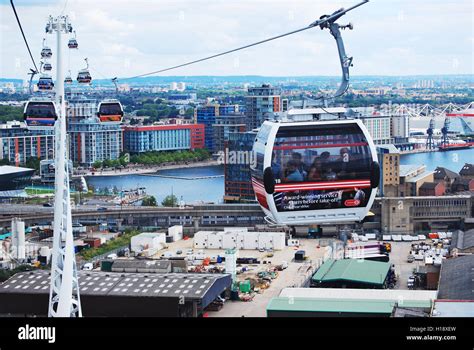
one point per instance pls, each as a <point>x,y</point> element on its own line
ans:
<point>352,273</point>
<point>312,307</point>
<point>347,302</point>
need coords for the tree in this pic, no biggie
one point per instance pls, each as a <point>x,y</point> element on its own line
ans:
<point>97,164</point>
<point>149,201</point>
<point>33,163</point>
<point>170,201</point>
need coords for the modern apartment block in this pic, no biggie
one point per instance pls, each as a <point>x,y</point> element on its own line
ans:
<point>238,158</point>
<point>379,127</point>
<point>260,103</point>
<point>167,137</point>
<point>207,115</point>
<point>90,140</point>
<point>226,124</point>
<point>18,144</point>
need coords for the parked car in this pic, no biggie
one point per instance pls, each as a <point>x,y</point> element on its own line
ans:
<point>410,258</point>
<point>102,209</point>
<point>179,252</point>
<point>88,267</point>
<point>47,205</point>
<point>112,256</point>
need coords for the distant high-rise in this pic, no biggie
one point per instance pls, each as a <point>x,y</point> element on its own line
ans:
<point>238,158</point>
<point>166,137</point>
<point>400,128</point>
<point>389,160</point>
<point>18,144</point>
<point>261,102</point>
<point>207,115</point>
<point>224,125</point>
<point>89,139</point>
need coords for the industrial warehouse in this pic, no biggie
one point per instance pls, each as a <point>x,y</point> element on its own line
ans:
<point>118,295</point>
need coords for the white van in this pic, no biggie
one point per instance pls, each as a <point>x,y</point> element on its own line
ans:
<point>88,267</point>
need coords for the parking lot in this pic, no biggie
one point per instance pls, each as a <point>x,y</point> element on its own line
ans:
<point>296,274</point>
<point>403,269</point>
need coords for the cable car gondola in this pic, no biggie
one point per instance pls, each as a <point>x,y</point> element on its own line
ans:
<point>68,79</point>
<point>84,76</point>
<point>47,66</point>
<point>110,111</point>
<point>315,172</point>
<point>45,83</point>
<point>46,51</point>
<point>40,114</point>
<point>72,44</point>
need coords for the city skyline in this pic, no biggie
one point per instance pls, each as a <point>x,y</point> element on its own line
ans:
<point>393,38</point>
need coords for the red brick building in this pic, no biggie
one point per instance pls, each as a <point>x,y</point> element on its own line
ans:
<point>432,189</point>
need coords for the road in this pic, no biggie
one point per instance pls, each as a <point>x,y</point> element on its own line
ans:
<point>403,269</point>
<point>294,276</point>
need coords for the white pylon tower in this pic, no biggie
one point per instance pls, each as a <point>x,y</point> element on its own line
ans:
<point>64,300</point>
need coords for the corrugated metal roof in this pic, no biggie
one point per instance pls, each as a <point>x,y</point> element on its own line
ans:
<point>406,169</point>
<point>451,308</point>
<point>420,176</point>
<point>330,305</point>
<point>399,295</point>
<point>364,271</point>
<point>456,278</point>
<point>193,286</point>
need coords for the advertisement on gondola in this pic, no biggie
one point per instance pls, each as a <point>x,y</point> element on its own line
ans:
<point>321,169</point>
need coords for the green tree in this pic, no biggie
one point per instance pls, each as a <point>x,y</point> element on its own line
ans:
<point>97,164</point>
<point>149,201</point>
<point>33,163</point>
<point>8,113</point>
<point>170,201</point>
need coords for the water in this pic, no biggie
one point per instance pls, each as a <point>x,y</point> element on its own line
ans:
<point>191,191</point>
<point>452,160</point>
<point>212,190</point>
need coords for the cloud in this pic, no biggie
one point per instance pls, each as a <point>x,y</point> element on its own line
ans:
<point>127,38</point>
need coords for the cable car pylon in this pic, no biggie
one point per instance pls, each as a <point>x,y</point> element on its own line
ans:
<point>64,300</point>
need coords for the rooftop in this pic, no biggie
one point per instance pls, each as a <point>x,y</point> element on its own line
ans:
<point>467,170</point>
<point>453,308</point>
<point>441,173</point>
<point>390,148</point>
<point>456,280</point>
<point>463,240</point>
<point>400,296</point>
<point>429,185</point>
<point>192,286</point>
<point>141,264</point>
<point>420,176</point>
<point>150,234</point>
<point>366,306</point>
<point>8,169</point>
<point>364,271</point>
<point>408,169</point>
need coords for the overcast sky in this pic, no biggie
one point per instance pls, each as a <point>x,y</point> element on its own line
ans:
<point>129,37</point>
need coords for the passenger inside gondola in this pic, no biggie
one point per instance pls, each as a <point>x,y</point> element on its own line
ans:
<point>318,169</point>
<point>297,158</point>
<point>276,167</point>
<point>292,172</point>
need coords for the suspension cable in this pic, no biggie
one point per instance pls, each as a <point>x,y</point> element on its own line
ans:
<point>24,37</point>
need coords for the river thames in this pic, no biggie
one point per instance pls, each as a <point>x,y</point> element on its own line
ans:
<point>212,189</point>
